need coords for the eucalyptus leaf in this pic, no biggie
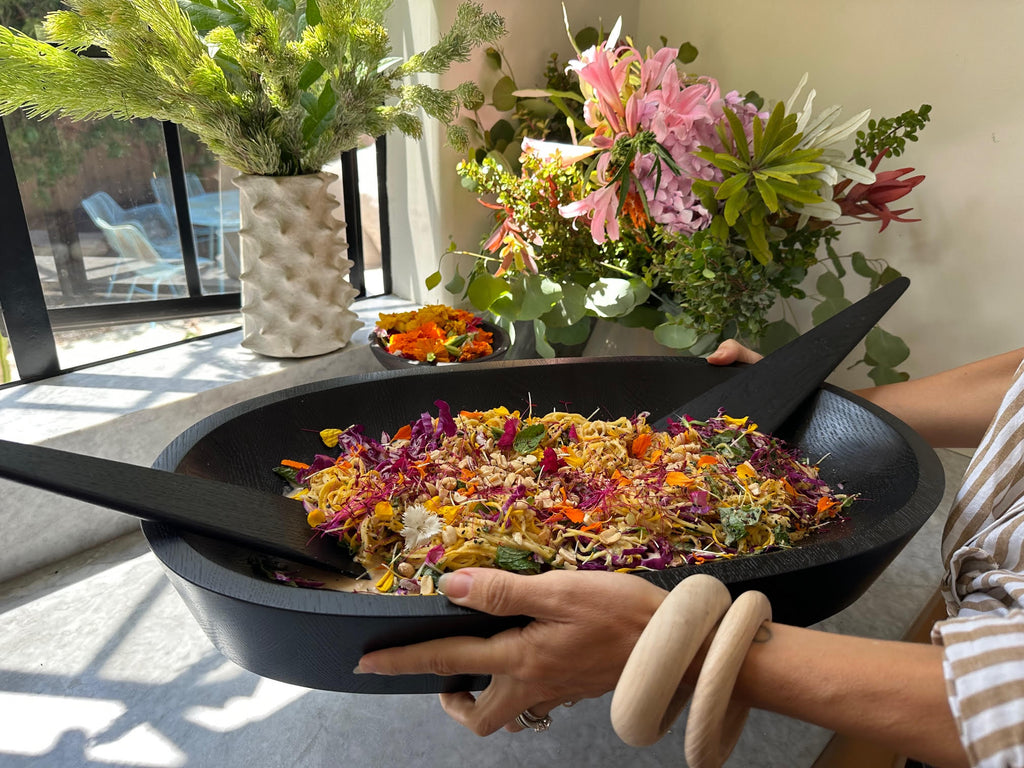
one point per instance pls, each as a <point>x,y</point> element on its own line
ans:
<point>569,309</point>
<point>540,294</point>
<point>502,130</point>
<point>540,341</point>
<point>827,308</point>
<point>611,296</point>
<point>570,334</point>
<point>884,375</point>
<point>503,96</point>
<point>687,53</point>
<point>884,348</point>
<point>485,289</point>
<point>830,286</point>
<point>775,335</point>
<point>433,280</point>
<point>675,335</point>
<point>861,267</point>
<point>456,284</point>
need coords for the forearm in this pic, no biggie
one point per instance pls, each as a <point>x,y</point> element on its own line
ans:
<point>888,692</point>
<point>951,409</point>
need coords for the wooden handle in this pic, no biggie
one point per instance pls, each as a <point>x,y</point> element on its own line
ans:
<point>715,723</point>
<point>648,696</point>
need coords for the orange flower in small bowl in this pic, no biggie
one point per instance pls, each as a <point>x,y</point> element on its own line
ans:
<point>435,335</point>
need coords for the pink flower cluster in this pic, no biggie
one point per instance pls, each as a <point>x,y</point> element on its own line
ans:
<point>631,100</point>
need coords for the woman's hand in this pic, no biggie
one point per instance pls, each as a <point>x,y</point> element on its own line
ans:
<point>585,625</point>
<point>731,351</point>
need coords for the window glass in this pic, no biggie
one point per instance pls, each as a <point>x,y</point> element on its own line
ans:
<point>213,210</point>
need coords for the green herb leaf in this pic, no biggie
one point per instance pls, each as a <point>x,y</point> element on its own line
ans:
<point>517,560</point>
<point>528,438</point>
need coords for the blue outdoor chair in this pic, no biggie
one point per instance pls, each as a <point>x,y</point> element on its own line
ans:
<point>129,240</point>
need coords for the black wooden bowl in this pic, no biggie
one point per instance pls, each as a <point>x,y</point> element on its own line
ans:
<point>314,637</point>
<point>499,346</point>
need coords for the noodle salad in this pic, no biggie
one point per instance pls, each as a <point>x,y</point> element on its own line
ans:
<point>531,493</point>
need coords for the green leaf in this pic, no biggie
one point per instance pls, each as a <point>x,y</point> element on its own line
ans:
<point>732,185</point>
<point>502,130</point>
<point>775,335</point>
<point>433,280</point>
<point>861,267</point>
<point>884,348</point>
<point>485,289</point>
<point>884,375</point>
<point>456,284</point>
<point>675,335</point>
<point>771,200</point>
<point>830,286</point>
<point>569,309</point>
<point>611,297</point>
<point>320,114</point>
<point>310,74</point>
<point>570,334</point>
<point>540,340</point>
<point>313,12</point>
<point>687,53</point>
<point>888,275</point>
<point>540,294</point>
<point>827,308</point>
<point>528,438</point>
<point>586,38</point>
<point>493,57</point>
<point>503,97</point>
<point>516,560</point>
<point>735,204</point>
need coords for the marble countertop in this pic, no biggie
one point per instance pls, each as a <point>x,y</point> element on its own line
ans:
<point>103,665</point>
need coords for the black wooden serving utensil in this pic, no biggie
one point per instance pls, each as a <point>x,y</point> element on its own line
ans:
<point>258,520</point>
<point>771,389</point>
<point>768,391</point>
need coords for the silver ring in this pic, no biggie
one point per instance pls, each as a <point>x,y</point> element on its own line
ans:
<point>526,719</point>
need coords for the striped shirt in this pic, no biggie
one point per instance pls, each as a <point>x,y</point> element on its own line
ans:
<point>983,547</point>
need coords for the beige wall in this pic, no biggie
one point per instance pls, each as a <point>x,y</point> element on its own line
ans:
<point>962,258</point>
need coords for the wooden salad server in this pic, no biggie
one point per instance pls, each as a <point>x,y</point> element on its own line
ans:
<point>768,392</point>
<point>772,388</point>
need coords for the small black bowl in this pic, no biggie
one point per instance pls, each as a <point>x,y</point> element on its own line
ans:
<point>499,346</point>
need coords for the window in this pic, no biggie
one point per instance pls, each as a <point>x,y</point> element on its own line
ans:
<point>93,261</point>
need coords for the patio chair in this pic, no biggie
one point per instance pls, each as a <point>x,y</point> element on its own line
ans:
<point>165,199</point>
<point>134,250</point>
<point>148,218</point>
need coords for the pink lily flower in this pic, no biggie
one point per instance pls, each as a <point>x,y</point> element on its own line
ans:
<point>602,205</point>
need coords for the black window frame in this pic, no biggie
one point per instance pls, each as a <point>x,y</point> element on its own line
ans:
<point>29,324</point>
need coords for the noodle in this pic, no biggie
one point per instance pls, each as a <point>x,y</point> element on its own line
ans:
<point>528,494</point>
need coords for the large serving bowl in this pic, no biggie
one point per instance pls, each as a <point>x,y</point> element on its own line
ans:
<point>314,637</point>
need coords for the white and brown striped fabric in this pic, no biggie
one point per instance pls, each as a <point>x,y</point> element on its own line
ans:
<point>983,546</point>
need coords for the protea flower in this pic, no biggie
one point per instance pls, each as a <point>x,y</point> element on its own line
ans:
<point>870,202</point>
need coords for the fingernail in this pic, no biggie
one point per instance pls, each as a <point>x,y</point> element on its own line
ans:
<point>358,670</point>
<point>455,584</point>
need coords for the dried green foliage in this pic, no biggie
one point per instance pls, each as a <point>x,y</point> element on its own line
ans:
<point>273,87</point>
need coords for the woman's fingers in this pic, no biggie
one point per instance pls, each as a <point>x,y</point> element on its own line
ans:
<point>731,351</point>
<point>496,655</point>
<point>495,707</point>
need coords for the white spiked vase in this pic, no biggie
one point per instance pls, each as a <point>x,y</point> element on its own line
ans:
<point>294,268</point>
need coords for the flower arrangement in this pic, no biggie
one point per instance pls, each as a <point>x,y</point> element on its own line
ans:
<point>682,208</point>
<point>434,334</point>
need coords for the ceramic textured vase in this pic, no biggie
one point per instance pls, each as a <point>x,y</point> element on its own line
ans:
<point>294,268</point>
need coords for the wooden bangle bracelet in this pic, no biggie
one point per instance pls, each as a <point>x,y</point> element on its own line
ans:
<point>648,696</point>
<point>715,722</point>
<point>650,693</point>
